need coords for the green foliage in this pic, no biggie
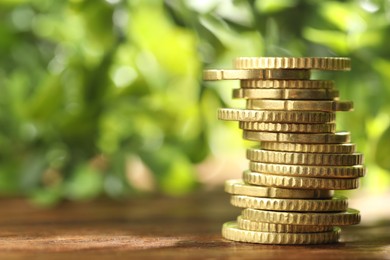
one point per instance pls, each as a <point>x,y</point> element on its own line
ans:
<point>87,84</point>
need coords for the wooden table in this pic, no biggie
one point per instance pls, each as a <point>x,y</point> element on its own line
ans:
<point>158,228</point>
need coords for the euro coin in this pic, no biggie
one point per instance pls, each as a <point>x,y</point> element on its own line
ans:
<point>276,84</point>
<point>293,182</point>
<point>255,74</point>
<point>302,94</point>
<point>321,138</point>
<point>316,63</point>
<point>238,187</point>
<point>288,127</point>
<point>300,105</point>
<point>246,224</point>
<point>232,232</point>
<point>337,203</point>
<point>348,172</point>
<point>231,114</point>
<point>265,156</point>
<point>309,148</point>
<point>349,217</point>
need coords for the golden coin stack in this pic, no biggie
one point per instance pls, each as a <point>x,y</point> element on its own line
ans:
<point>288,192</point>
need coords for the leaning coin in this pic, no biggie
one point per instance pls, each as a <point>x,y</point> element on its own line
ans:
<point>238,187</point>
<point>255,74</point>
<point>232,232</point>
<point>349,217</point>
<point>309,148</point>
<point>337,203</point>
<point>246,224</point>
<point>316,171</point>
<point>288,127</point>
<point>294,158</point>
<point>309,117</point>
<point>292,182</point>
<point>302,84</point>
<point>301,105</point>
<point>321,138</point>
<point>302,94</point>
<point>317,63</point>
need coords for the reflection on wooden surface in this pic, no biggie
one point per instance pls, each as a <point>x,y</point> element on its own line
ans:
<point>160,227</point>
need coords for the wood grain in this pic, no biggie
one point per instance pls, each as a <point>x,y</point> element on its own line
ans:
<point>158,228</point>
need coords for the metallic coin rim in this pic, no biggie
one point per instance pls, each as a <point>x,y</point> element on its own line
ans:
<point>317,63</point>
<point>292,84</point>
<point>293,182</point>
<point>233,114</point>
<point>232,74</point>
<point>238,187</point>
<point>232,232</point>
<point>250,225</point>
<point>288,127</point>
<point>346,218</point>
<point>338,137</point>
<point>313,171</point>
<point>309,148</point>
<point>299,105</point>
<point>337,203</point>
<point>296,158</point>
<point>286,94</point>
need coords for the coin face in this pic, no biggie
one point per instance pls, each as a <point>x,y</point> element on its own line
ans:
<point>293,182</point>
<point>231,231</point>
<point>316,63</point>
<point>294,158</point>
<point>321,138</point>
<point>238,187</point>
<point>300,105</point>
<point>255,74</point>
<point>305,94</point>
<point>246,115</point>
<point>349,217</point>
<point>337,203</point>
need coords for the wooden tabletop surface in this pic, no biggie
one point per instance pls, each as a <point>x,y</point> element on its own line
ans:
<point>148,228</point>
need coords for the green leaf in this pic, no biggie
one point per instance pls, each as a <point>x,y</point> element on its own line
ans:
<point>86,183</point>
<point>336,40</point>
<point>174,172</point>
<point>273,6</point>
<point>382,152</point>
<point>48,196</point>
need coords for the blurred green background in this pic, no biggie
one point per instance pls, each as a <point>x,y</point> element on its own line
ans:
<point>105,98</point>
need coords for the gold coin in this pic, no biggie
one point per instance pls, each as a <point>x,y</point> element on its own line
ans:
<point>317,63</point>
<point>309,148</point>
<point>288,127</point>
<point>302,94</point>
<point>231,114</point>
<point>321,138</point>
<point>238,187</point>
<point>348,172</point>
<point>255,74</point>
<point>302,84</point>
<point>232,232</point>
<point>349,217</point>
<point>295,158</point>
<point>292,182</point>
<point>299,105</point>
<point>337,203</point>
<point>246,224</point>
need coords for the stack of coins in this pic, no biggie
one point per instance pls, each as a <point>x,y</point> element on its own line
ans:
<point>288,192</point>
